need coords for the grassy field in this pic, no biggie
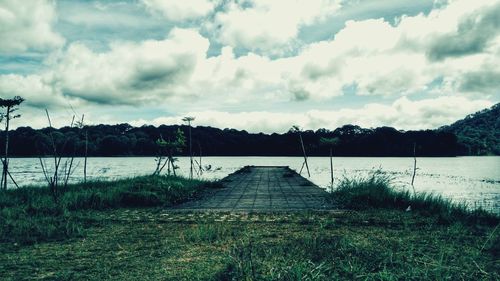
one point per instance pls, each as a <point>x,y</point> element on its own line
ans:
<point>33,214</point>
<point>150,244</point>
<point>366,241</point>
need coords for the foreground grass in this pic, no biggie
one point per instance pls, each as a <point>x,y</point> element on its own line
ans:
<point>375,239</point>
<point>31,214</point>
<point>149,244</point>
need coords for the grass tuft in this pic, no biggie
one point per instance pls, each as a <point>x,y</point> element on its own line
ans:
<point>377,191</point>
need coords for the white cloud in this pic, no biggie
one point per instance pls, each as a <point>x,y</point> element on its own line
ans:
<point>374,57</point>
<point>27,25</point>
<point>35,89</point>
<point>131,72</point>
<point>175,10</point>
<point>404,58</point>
<point>402,114</point>
<point>267,25</point>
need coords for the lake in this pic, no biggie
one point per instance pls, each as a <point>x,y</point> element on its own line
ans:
<point>474,180</point>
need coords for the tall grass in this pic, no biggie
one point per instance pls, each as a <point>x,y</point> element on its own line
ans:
<point>378,191</point>
<point>29,214</point>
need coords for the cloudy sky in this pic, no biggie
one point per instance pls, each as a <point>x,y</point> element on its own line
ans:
<point>257,65</point>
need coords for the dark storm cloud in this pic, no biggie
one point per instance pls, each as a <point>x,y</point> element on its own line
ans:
<point>153,76</point>
<point>473,36</point>
<point>485,81</point>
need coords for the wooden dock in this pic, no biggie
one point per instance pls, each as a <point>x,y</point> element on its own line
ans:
<point>263,189</point>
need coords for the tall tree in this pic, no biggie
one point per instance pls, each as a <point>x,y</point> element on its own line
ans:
<point>11,106</point>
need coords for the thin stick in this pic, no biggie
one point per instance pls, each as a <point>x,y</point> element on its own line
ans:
<point>200,170</point>
<point>44,170</point>
<point>86,149</point>
<point>52,138</point>
<point>53,180</point>
<point>168,166</point>
<point>6,160</point>
<point>3,175</point>
<point>85,160</point>
<point>305,156</point>
<point>303,163</point>
<point>173,166</point>
<point>414,167</point>
<point>190,151</point>
<point>10,176</point>
<point>163,166</point>
<point>489,238</point>
<point>201,167</point>
<point>68,172</point>
<point>331,164</point>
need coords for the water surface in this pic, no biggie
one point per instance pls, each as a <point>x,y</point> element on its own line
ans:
<point>474,180</point>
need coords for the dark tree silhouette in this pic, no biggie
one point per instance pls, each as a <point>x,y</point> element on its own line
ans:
<point>11,106</point>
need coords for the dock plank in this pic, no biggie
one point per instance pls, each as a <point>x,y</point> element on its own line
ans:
<point>263,189</point>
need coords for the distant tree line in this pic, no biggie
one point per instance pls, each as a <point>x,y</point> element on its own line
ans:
<point>478,133</point>
<point>125,140</point>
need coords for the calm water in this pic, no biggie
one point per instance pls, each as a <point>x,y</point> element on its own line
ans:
<point>474,180</point>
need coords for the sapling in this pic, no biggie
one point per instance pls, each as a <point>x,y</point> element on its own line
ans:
<point>166,151</point>
<point>53,179</point>
<point>11,106</point>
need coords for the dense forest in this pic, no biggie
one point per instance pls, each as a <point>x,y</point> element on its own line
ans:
<point>125,140</point>
<point>477,134</point>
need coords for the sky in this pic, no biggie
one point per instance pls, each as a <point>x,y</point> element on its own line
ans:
<point>254,65</point>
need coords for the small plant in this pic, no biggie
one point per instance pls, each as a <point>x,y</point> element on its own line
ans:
<point>57,174</point>
<point>166,151</point>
